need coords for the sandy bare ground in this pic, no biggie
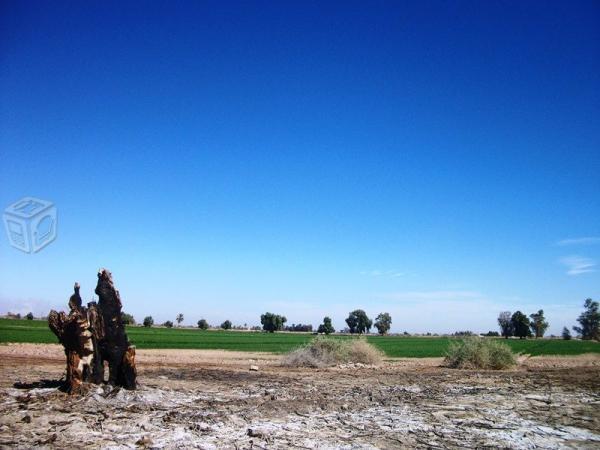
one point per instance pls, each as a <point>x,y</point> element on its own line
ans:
<point>210,399</point>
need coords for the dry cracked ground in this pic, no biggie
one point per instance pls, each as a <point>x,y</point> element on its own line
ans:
<point>210,399</point>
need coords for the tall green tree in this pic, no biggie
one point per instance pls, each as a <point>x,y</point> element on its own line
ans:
<point>538,324</point>
<point>179,318</point>
<point>383,322</point>
<point>520,325</point>
<point>203,324</point>
<point>226,325</point>
<point>589,321</point>
<point>272,322</point>
<point>148,321</point>
<point>566,334</point>
<point>359,322</point>
<point>505,324</point>
<point>326,327</point>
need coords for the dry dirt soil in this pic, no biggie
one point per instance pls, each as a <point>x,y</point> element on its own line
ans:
<point>211,399</point>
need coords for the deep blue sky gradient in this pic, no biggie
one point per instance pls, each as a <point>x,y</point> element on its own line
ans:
<point>224,159</point>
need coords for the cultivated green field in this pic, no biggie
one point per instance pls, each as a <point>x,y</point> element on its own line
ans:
<point>36,331</point>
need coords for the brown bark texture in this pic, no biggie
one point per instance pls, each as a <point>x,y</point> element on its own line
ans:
<point>94,335</point>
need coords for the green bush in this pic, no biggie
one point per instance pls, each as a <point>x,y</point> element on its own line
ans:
<point>325,352</point>
<point>478,353</point>
<point>127,319</point>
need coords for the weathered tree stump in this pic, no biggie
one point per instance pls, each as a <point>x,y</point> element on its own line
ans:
<point>73,332</point>
<point>113,346</point>
<point>93,335</point>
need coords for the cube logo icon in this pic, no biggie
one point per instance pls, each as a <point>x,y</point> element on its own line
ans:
<point>30,224</point>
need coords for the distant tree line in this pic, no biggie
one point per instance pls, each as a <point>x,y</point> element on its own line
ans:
<point>519,325</point>
<point>463,333</point>
<point>298,327</point>
<point>491,334</point>
<point>515,324</point>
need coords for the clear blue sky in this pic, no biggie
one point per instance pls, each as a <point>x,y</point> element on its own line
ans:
<point>224,159</point>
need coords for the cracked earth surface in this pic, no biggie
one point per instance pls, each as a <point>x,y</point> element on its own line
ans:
<point>210,399</point>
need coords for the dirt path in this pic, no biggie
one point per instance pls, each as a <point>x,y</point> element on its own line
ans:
<point>210,399</point>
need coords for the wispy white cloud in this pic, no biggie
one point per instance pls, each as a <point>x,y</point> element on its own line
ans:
<point>591,240</point>
<point>576,265</point>
<point>383,273</point>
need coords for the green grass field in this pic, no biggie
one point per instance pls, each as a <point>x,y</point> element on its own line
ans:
<point>37,331</point>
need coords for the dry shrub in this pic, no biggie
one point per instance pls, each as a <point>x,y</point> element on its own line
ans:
<point>361,351</point>
<point>326,352</point>
<point>478,353</point>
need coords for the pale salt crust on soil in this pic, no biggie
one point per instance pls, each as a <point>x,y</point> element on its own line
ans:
<point>210,399</point>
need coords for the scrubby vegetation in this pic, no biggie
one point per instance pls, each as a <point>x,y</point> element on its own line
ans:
<point>325,352</point>
<point>477,353</point>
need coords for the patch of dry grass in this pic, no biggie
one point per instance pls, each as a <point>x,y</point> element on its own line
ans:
<point>478,353</point>
<point>326,352</point>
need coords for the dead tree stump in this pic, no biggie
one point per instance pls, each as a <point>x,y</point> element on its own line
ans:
<point>93,335</point>
<point>73,332</point>
<point>114,346</point>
